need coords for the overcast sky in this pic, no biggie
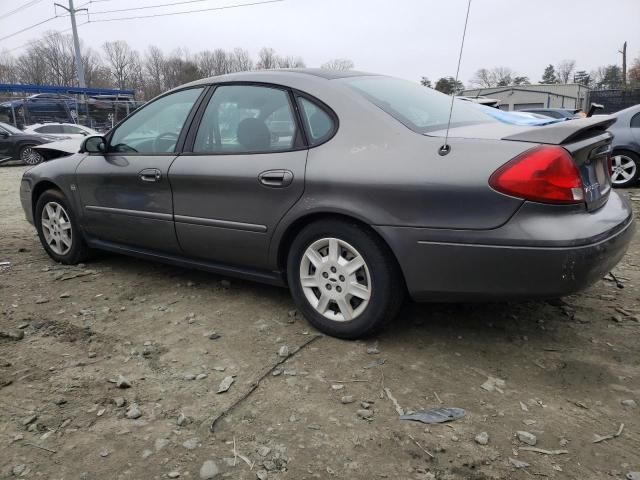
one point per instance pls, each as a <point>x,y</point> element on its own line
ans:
<point>406,38</point>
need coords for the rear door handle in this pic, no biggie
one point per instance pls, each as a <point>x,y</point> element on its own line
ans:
<point>150,175</point>
<point>276,178</point>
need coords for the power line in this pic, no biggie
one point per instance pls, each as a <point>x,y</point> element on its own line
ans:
<point>16,10</point>
<point>148,7</point>
<point>29,27</point>
<point>31,42</point>
<point>227,7</point>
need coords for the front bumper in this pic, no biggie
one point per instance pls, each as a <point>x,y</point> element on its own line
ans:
<point>509,262</point>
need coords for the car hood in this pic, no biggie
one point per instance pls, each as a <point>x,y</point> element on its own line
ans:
<point>554,133</point>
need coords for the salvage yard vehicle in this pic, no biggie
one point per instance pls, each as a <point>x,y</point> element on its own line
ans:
<point>18,145</point>
<point>59,130</point>
<point>626,147</point>
<point>365,197</point>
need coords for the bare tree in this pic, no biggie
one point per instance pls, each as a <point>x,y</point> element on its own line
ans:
<point>57,51</point>
<point>154,67</point>
<point>205,61</point>
<point>564,70</point>
<point>8,70</point>
<point>31,67</point>
<point>267,59</point>
<point>120,59</point>
<point>95,73</point>
<point>241,61</point>
<point>338,64</point>
<point>221,62</point>
<point>483,78</point>
<point>291,62</point>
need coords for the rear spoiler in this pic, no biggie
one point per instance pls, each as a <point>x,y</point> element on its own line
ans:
<point>564,132</point>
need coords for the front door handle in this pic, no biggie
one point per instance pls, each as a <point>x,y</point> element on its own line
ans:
<point>276,178</point>
<point>150,175</point>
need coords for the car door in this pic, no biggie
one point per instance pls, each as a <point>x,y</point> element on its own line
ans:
<point>6,148</point>
<point>125,193</point>
<point>244,170</point>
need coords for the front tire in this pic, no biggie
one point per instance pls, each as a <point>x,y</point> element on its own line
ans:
<point>30,156</point>
<point>58,229</point>
<point>626,168</point>
<point>344,279</point>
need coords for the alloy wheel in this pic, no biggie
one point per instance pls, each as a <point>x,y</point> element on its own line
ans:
<point>56,228</point>
<point>624,169</point>
<point>335,279</point>
<point>30,156</point>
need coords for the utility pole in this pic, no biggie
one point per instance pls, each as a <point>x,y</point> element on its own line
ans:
<point>624,65</point>
<point>76,42</point>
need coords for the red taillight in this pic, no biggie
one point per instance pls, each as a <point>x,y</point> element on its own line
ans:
<point>543,174</point>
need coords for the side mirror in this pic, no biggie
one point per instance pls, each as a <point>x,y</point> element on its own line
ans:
<point>93,144</point>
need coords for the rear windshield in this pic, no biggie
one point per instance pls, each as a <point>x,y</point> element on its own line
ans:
<point>422,109</point>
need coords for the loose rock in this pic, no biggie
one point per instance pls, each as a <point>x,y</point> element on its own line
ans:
<point>629,403</point>
<point>209,470</point>
<point>225,384</point>
<point>18,470</point>
<point>122,382</point>
<point>482,438</point>
<point>119,402</point>
<point>526,437</point>
<point>191,443</point>
<point>365,414</point>
<point>133,412</point>
<point>160,443</point>
<point>347,399</point>
<point>263,451</point>
<point>518,463</point>
<point>173,474</point>
<point>182,420</point>
<point>262,475</point>
<point>284,351</point>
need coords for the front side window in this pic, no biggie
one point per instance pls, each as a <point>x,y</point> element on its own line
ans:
<point>421,109</point>
<point>155,128</point>
<point>247,119</point>
<point>319,122</point>
<point>635,121</point>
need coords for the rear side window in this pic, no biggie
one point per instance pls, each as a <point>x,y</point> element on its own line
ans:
<point>422,109</point>
<point>74,130</point>
<point>49,129</point>
<point>247,119</point>
<point>635,121</point>
<point>320,125</point>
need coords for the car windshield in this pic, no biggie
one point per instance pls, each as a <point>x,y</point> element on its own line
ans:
<point>422,109</point>
<point>10,128</point>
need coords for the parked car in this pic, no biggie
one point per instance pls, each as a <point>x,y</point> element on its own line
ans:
<point>361,203</point>
<point>18,145</point>
<point>43,107</point>
<point>563,113</point>
<point>626,147</point>
<point>67,130</point>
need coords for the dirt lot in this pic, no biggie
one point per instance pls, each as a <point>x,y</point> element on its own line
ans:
<point>570,369</point>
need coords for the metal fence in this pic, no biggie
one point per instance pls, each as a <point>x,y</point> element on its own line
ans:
<point>615,100</point>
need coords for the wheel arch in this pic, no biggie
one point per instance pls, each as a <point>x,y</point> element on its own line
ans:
<point>38,189</point>
<point>292,230</point>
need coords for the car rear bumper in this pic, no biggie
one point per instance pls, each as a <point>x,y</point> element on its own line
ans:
<point>509,262</point>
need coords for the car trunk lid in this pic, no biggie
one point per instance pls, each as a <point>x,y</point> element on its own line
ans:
<point>587,140</point>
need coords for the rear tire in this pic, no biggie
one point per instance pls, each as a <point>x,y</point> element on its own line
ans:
<point>626,168</point>
<point>344,278</point>
<point>29,156</point>
<point>58,229</point>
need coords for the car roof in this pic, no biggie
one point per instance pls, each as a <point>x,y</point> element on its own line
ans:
<point>282,75</point>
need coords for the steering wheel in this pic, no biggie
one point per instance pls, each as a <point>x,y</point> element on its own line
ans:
<point>167,136</point>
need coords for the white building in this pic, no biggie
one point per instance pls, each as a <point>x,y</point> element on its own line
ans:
<point>519,97</point>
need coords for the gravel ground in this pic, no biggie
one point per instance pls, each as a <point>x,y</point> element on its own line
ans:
<point>563,374</point>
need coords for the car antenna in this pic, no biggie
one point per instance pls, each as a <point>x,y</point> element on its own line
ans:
<point>446,148</point>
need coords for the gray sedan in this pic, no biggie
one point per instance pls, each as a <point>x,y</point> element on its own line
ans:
<point>626,147</point>
<point>347,187</point>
